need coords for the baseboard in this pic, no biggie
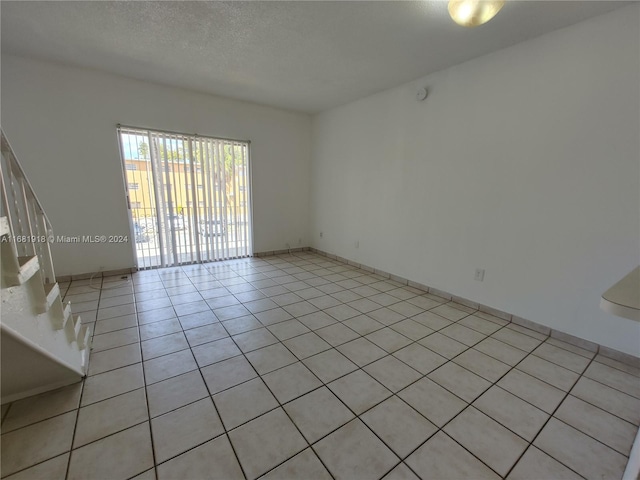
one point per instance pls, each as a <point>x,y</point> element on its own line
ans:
<point>509,317</point>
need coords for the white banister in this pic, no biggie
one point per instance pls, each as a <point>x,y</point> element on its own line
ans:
<point>25,214</point>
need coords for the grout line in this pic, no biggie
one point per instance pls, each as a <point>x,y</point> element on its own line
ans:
<point>253,271</point>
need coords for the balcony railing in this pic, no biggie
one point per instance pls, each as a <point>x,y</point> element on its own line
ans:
<point>30,226</point>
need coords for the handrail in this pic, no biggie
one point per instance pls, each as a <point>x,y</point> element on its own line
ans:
<point>27,218</point>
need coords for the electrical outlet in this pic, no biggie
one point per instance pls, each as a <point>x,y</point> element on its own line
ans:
<point>479,275</point>
<point>357,243</point>
<point>321,234</point>
<point>300,241</point>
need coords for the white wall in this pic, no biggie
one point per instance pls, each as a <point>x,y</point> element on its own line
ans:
<point>61,122</point>
<point>525,162</point>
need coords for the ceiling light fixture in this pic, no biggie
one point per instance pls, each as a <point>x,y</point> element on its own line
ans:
<point>471,13</point>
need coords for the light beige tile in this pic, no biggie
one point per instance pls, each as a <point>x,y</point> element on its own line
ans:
<point>386,316</point>
<point>535,464</point>
<point>116,300</point>
<point>303,465</point>
<point>581,453</point>
<point>317,413</point>
<point>548,372</point>
<point>480,324</point>
<point>463,334</point>
<point>157,347</point>
<point>363,305</point>
<point>460,381</point>
<point>175,392</point>
<point>216,351</point>
<point>432,320</point>
<point>425,303</point>
<point>167,366</point>
<point>618,365</point>
<point>354,452</point>
<point>254,339</point>
<point>363,324</point>
<point>54,469</point>
<point>148,475</point>
<point>227,374</point>
<point>254,445</point>
<point>392,373</point>
<point>156,315</point>
<point>614,378</point>
<point>100,362</point>
<point>158,329</point>
<point>492,443</point>
<point>401,472</point>
<point>40,407</point>
<point>512,412</point>
<point>443,345</point>
<point>301,308</point>
<point>405,308</point>
<point>115,339</point>
<point>534,391</point>
<point>118,456</point>
<point>270,317</point>
<point>388,339</point>
<point>361,351</point>
<point>198,319</point>
<point>36,443</point>
<point>482,365</point>
<point>118,311</point>
<point>117,323</point>
<point>306,345</point>
<point>288,329</point>
<point>329,365</point>
<point>399,425</point>
<point>433,401</point>
<point>611,400</point>
<point>112,383</point>
<point>420,358</point>
<point>290,382</point>
<point>244,402</point>
<point>184,428</point>
<point>359,391</point>
<point>213,460</point>
<point>564,358</point>
<point>240,325</point>
<point>516,339</point>
<point>441,457</point>
<point>411,329</point>
<point>100,419</point>
<point>500,351</point>
<point>270,358</point>
<point>337,334</point>
<point>608,429</point>
<point>449,312</point>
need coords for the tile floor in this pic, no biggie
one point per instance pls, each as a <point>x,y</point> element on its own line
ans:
<point>299,367</point>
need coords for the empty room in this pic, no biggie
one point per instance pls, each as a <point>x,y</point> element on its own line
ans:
<point>349,240</point>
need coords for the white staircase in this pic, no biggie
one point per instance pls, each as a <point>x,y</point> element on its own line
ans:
<point>44,346</point>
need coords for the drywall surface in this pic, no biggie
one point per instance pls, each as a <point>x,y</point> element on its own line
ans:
<point>61,122</point>
<point>524,162</point>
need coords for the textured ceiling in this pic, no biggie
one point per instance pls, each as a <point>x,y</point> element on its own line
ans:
<point>305,56</point>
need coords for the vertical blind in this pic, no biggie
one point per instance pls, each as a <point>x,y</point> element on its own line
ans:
<point>189,196</point>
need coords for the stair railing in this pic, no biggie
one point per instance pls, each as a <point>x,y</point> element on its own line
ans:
<point>30,226</point>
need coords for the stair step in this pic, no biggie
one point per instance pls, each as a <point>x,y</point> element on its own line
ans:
<point>29,266</point>
<point>83,337</point>
<point>59,323</point>
<point>52,291</point>
<point>4,227</point>
<point>72,328</point>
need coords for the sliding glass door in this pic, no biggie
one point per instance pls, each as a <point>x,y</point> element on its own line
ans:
<point>189,196</point>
